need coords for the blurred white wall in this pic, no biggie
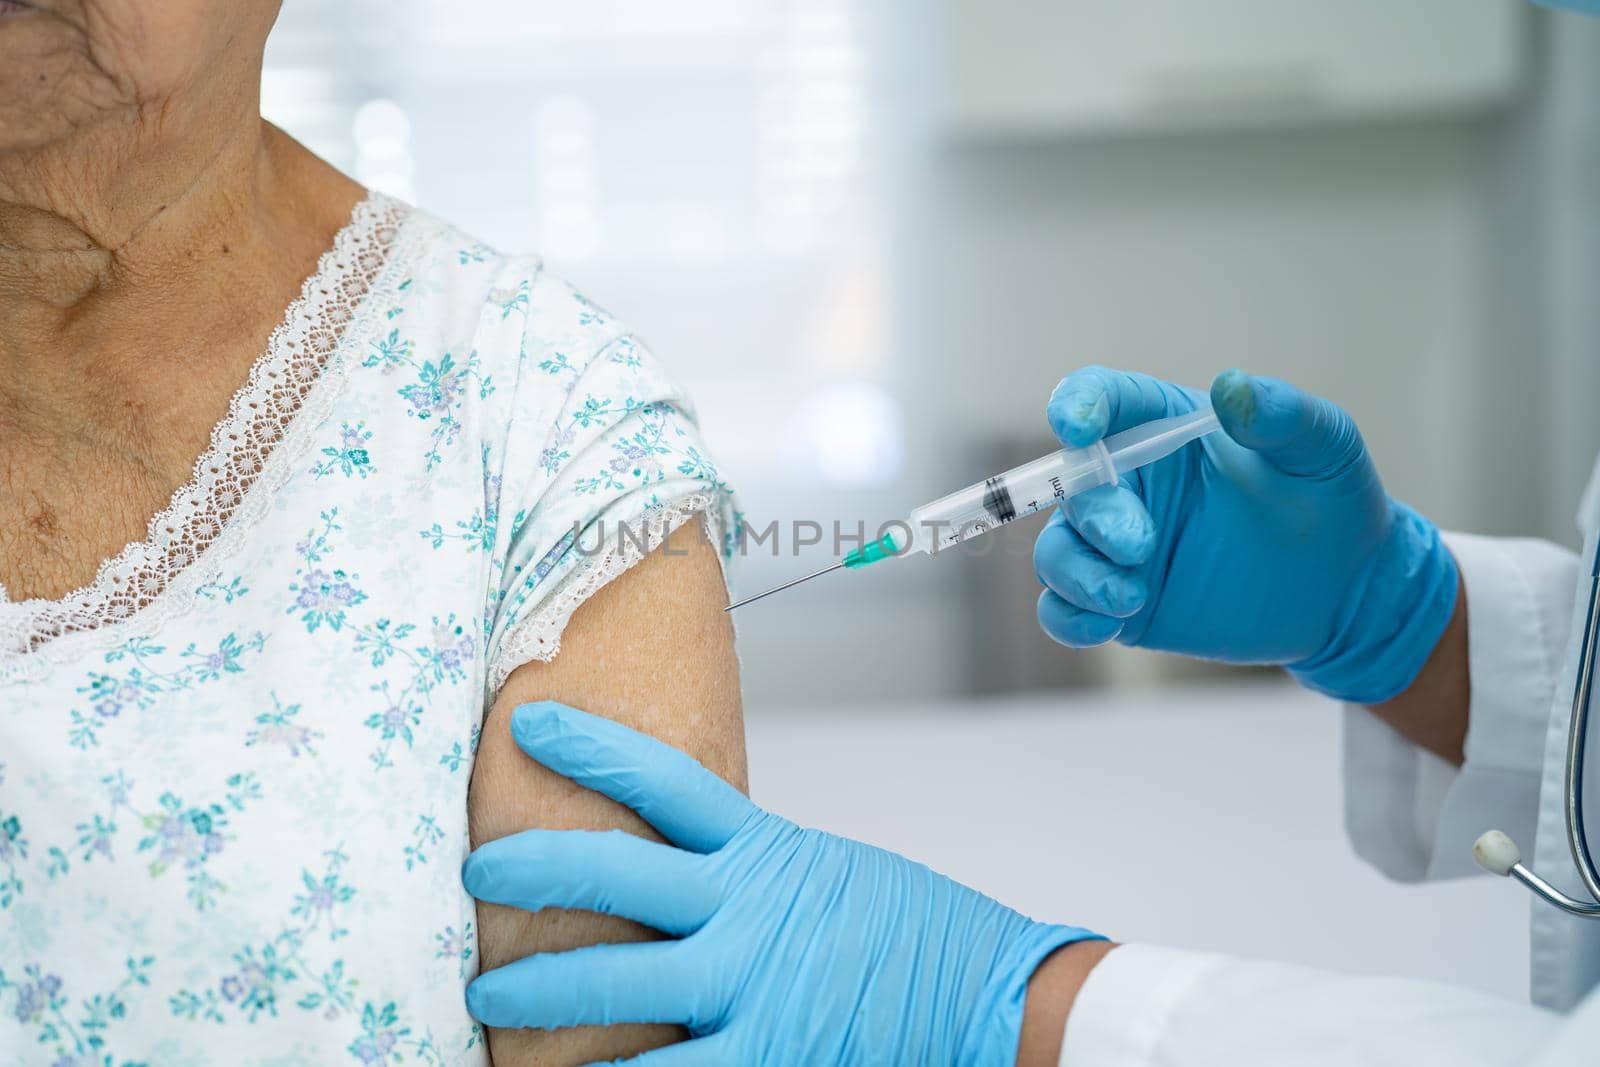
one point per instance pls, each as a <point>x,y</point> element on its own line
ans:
<point>1357,263</point>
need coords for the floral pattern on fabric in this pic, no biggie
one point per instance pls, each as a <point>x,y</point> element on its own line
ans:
<point>232,823</point>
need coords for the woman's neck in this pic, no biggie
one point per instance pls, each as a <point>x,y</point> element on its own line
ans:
<point>119,205</point>
<point>127,247</point>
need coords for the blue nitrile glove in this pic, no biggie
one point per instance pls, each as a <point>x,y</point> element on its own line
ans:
<point>1272,542</point>
<point>797,947</point>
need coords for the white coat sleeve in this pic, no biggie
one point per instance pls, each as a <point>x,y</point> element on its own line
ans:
<point>1411,814</point>
<point>1154,1007</point>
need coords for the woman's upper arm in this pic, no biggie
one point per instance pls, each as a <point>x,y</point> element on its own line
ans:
<point>652,649</point>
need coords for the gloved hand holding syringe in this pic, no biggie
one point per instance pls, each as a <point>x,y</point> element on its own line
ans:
<point>1004,498</point>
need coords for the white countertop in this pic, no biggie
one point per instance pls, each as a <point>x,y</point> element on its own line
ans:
<point>1211,818</point>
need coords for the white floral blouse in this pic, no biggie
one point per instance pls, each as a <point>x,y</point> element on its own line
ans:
<point>233,769</point>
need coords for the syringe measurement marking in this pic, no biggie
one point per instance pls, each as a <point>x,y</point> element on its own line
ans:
<point>997,500</point>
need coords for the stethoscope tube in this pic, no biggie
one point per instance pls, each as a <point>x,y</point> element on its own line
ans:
<point>1497,853</point>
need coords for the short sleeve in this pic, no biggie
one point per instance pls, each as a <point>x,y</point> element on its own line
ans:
<point>602,460</point>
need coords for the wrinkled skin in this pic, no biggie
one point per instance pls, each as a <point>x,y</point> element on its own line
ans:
<point>67,66</point>
<point>152,229</point>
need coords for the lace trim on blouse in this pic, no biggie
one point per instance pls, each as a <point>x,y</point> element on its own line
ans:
<point>271,420</point>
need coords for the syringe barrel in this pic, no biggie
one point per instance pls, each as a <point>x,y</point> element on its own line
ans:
<point>1023,490</point>
<point>985,505</point>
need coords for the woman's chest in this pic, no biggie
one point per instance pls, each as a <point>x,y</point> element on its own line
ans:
<point>334,603</point>
<point>324,671</point>
<point>213,776</point>
<point>317,675</point>
<point>66,505</point>
<point>82,473</point>
<point>254,815</point>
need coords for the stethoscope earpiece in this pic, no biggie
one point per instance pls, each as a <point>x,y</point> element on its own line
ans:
<point>1496,853</point>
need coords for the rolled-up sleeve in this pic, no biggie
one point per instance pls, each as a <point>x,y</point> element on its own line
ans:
<point>1414,816</point>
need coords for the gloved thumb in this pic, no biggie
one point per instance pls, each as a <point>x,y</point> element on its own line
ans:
<point>1296,432</point>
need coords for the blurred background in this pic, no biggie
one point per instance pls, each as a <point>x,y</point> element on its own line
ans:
<point>871,235</point>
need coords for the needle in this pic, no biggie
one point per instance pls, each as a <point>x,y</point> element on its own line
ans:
<point>785,585</point>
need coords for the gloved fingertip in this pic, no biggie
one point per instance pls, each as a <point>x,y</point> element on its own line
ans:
<point>1140,543</point>
<point>1297,432</point>
<point>475,874</point>
<point>1259,413</point>
<point>480,1001</point>
<point>1073,627</point>
<point>1079,418</point>
<point>1233,398</point>
<point>1102,631</point>
<point>1136,595</point>
<point>533,721</point>
<point>1115,521</point>
<point>1120,595</point>
<point>1126,535</point>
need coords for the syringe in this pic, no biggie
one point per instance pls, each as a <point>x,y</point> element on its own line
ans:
<point>994,502</point>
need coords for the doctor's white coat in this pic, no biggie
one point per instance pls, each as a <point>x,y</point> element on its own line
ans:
<point>1413,817</point>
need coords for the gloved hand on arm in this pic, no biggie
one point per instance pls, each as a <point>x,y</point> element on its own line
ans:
<point>1272,542</point>
<point>795,946</point>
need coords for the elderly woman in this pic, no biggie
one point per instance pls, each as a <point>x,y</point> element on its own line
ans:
<point>300,490</point>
